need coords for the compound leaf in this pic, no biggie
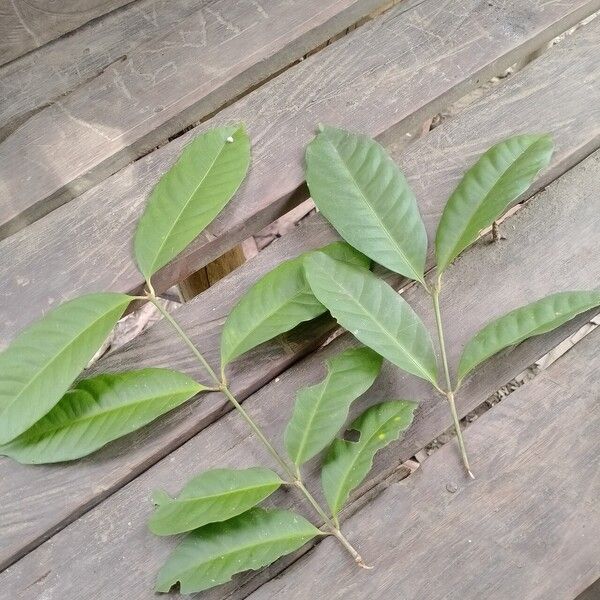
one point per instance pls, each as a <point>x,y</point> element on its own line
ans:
<point>277,303</point>
<point>99,410</point>
<point>364,195</point>
<point>487,189</point>
<point>347,463</point>
<point>322,409</point>
<point>212,496</point>
<point>44,360</point>
<point>518,325</point>
<point>190,195</point>
<point>214,553</point>
<point>374,313</point>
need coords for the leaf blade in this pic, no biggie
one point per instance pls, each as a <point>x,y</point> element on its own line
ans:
<point>276,303</point>
<point>348,463</point>
<point>516,326</point>
<point>321,410</point>
<point>374,313</point>
<point>98,411</point>
<point>213,496</point>
<point>211,555</point>
<point>44,360</point>
<point>487,189</point>
<point>364,195</point>
<point>190,195</point>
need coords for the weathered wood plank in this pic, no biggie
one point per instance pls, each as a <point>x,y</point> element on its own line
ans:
<point>527,528</point>
<point>35,80</point>
<point>535,261</point>
<point>433,165</point>
<point>162,86</point>
<point>25,25</point>
<point>86,246</point>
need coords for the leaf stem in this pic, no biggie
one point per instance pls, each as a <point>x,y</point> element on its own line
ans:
<point>292,473</point>
<point>448,392</point>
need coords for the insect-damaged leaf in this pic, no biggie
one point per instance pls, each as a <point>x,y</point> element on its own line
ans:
<point>364,195</point>
<point>214,553</point>
<point>486,190</point>
<point>190,195</point>
<point>99,410</point>
<point>347,463</point>
<point>44,360</point>
<point>321,410</point>
<point>374,313</point>
<point>212,496</point>
<point>277,303</point>
<point>518,325</point>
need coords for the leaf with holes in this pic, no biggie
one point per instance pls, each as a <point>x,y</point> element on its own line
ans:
<point>487,189</point>
<point>525,322</point>
<point>364,195</point>
<point>347,463</point>
<point>373,312</point>
<point>212,496</point>
<point>100,410</point>
<point>214,553</point>
<point>190,195</point>
<point>277,303</point>
<point>322,409</point>
<point>44,360</point>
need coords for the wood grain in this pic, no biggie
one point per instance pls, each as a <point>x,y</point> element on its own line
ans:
<point>158,89</point>
<point>29,24</point>
<point>86,246</point>
<point>434,164</point>
<point>527,528</point>
<point>534,260</point>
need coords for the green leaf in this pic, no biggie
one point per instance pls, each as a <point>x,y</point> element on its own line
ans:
<point>44,360</point>
<point>347,463</point>
<point>190,195</point>
<point>277,303</point>
<point>364,195</point>
<point>518,325</point>
<point>215,495</point>
<point>214,553</point>
<point>100,410</point>
<point>487,189</point>
<point>374,313</point>
<point>322,409</point>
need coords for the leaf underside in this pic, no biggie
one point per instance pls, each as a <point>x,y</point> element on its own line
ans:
<point>277,303</point>
<point>44,360</point>
<point>214,553</point>
<point>321,410</point>
<point>364,195</point>
<point>348,463</point>
<point>487,189</point>
<point>527,321</point>
<point>190,195</point>
<point>374,313</point>
<point>212,496</point>
<point>100,410</point>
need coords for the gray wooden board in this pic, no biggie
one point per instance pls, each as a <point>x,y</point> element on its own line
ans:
<point>113,539</point>
<point>162,86</point>
<point>86,246</point>
<point>27,24</point>
<point>433,164</point>
<point>33,81</point>
<point>526,528</point>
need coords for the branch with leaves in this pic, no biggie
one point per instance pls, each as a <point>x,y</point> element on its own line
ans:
<point>48,414</point>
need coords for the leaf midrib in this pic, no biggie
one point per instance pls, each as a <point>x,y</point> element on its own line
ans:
<point>416,276</point>
<point>420,368</point>
<point>186,204</point>
<point>58,355</point>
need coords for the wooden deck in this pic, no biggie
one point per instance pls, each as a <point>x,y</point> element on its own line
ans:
<point>95,106</point>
